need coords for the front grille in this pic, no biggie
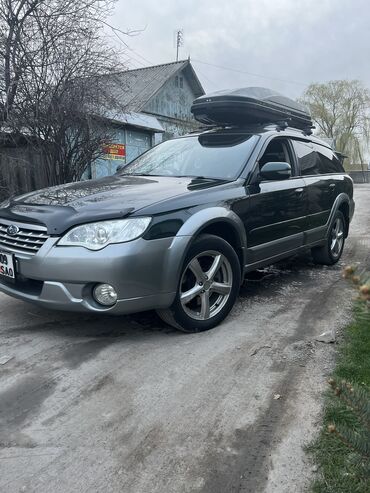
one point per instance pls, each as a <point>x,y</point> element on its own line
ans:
<point>27,240</point>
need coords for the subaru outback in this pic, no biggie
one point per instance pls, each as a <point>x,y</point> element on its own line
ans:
<point>177,229</point>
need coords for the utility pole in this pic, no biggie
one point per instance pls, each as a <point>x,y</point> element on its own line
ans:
<point>179,41</point>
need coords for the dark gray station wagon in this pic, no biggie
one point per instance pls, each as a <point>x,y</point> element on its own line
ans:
<point>177,229</point>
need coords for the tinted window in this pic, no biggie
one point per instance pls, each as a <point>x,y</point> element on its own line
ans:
<point>329,163</point>
<point>307,157</point>
<point>276,151</point>
<point>220,156</point>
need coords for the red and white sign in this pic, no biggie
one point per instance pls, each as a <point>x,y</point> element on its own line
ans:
<point>114,151</point>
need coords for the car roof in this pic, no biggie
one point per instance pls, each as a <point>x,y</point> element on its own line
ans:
<point>267,130</point>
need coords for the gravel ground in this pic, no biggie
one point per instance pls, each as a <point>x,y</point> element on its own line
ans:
<point>126,404</point>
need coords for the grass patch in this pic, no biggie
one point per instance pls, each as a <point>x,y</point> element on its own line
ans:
<point>341,468</point>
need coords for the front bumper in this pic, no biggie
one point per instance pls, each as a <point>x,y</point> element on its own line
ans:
<point>144,274</point>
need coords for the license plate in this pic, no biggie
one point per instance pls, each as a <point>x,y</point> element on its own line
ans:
<point>7,265</point>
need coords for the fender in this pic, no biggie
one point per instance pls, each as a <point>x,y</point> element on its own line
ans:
<point>189,230</point>
<point>341,199</point>
<point>206,217</point>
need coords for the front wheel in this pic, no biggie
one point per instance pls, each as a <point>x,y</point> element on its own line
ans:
<point>208,286</point>
<point>331,252</point>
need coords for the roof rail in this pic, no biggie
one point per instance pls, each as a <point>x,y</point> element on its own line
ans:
<point>308,130</point>
<point>204,128</point>
<point>283,124</point>
<point>280,125</point>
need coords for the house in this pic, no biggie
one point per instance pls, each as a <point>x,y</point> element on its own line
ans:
<point>155,104</point>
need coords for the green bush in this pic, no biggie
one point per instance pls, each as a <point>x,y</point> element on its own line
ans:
<point>342,450</point>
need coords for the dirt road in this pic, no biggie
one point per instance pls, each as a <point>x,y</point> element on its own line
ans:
<point>93,404</point>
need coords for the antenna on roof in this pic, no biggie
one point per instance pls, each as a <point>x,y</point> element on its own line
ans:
<point>179,39</point>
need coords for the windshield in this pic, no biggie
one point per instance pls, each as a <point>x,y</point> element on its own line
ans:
<point>217,156</point>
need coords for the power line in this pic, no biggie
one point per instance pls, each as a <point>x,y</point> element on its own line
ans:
<point>118,33</point>
<point>138,54</point>
<point>207,78</point>
<point>249,73</point>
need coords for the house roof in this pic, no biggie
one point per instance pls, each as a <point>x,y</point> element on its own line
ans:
<point>134,88</point>
<point>140,120</point>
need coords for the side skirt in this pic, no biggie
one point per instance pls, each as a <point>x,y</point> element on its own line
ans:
<point>281,256</point>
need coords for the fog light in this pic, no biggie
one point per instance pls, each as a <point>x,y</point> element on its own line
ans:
<point>105,294</point>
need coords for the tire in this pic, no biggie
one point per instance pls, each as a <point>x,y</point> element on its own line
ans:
<point>331,252</point>
<point>211,271</point>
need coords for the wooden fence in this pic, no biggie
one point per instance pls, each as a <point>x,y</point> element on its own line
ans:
<point>21,171</point>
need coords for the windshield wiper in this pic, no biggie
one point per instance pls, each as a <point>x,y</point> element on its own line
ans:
<point>137,174</point>
<point>193,177</point>
<point>208,178</point>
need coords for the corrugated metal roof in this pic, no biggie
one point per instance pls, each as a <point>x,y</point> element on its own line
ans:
<point>140,120</point>
<point>134,88</point>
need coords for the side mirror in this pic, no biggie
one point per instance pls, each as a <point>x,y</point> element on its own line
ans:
<point>276,171</point>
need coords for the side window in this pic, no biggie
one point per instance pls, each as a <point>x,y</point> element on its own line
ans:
<point>276,151</point>
<point>307,158</point>
<point>329,163</point>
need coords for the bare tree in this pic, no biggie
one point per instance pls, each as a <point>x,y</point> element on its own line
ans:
<point>340,110</point>
<point>54,89</point>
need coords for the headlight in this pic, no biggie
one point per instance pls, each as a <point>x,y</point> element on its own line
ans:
<point>96,236</point>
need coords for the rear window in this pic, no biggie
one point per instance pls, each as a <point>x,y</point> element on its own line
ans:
<point>315,159</point>
<point>329,163</point>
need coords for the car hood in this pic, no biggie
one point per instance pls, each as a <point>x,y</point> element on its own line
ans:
<point>58,208</point>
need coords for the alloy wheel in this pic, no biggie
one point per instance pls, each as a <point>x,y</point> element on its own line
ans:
<point>206,285</point>
<point>337,237</point>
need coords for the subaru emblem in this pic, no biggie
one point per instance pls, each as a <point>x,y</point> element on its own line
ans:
<point>12,230</point>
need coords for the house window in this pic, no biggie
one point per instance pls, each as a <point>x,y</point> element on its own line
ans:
<point>179,81</point>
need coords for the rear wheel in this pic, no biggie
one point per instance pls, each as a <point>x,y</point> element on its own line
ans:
<point>331,252</point>
<point>208,286</point>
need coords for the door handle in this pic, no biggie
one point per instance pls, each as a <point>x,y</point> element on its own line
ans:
<point>298,191</point>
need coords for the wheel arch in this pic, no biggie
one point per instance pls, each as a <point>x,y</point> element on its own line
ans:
<point>342,204</point>
<point>218,221</point>
<point>344,208</point>
<point>227,231</point>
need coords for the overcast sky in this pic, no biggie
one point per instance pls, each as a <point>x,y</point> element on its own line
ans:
<point>296,41</point>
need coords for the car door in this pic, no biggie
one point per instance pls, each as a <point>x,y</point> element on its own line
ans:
<point>317,165</point>
<point>275,219</point>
